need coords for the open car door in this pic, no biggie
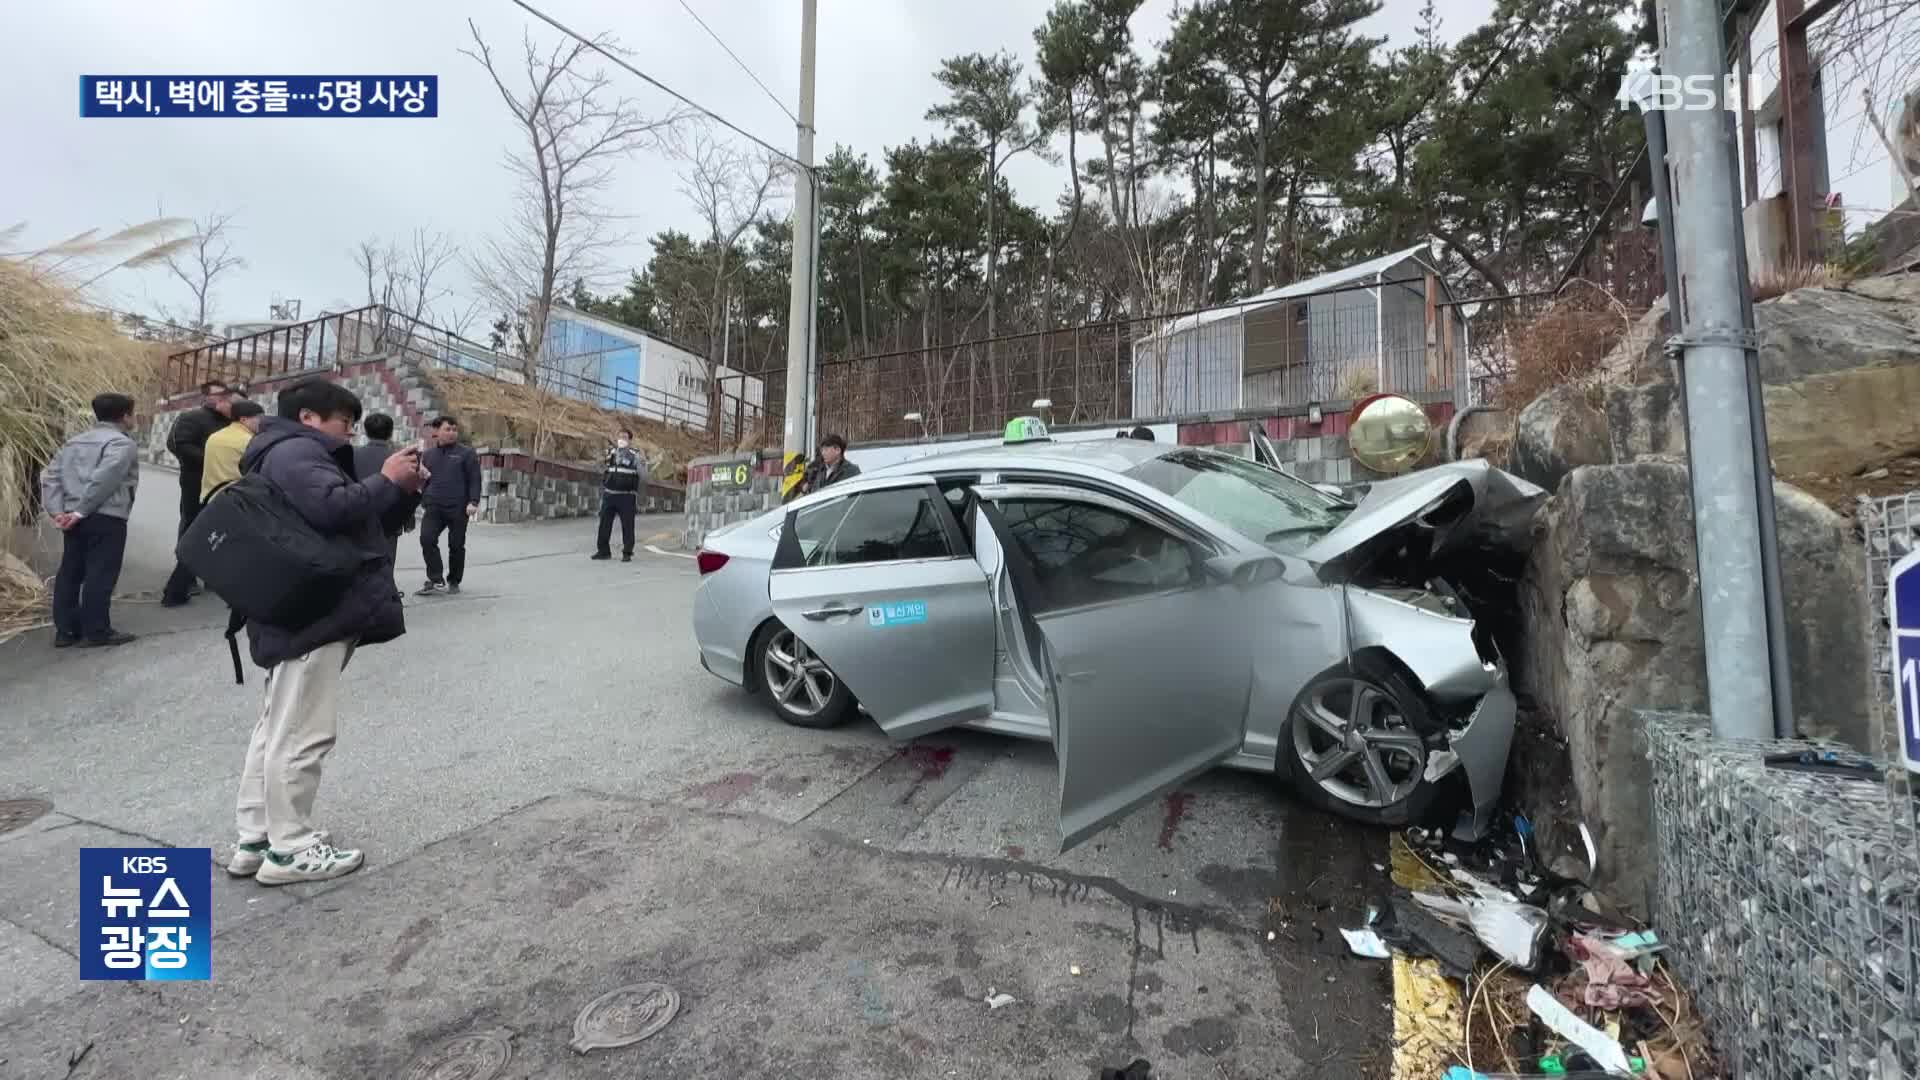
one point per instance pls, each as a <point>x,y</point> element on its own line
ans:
<point>881,585</point>
<point>1142,638</point>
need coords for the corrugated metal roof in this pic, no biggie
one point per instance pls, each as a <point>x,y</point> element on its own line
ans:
<point>1332,279</point>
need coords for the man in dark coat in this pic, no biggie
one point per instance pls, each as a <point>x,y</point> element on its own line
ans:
<point>452,499</point>
<point>187,442</point>
<point>831,466</point>
<point>367,460</point>
<point>305,455</point>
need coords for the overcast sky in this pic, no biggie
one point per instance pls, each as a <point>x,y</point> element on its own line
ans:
<point>303,191</point>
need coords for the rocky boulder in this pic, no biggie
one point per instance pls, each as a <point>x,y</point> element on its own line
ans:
<point>1560,431</point>
<point>1610,613</point>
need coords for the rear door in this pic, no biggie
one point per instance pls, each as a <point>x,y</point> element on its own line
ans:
<point>880,583</point>
<point>1145,656</point>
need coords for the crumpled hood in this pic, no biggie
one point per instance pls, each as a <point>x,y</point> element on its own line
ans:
<point>1446,507</point>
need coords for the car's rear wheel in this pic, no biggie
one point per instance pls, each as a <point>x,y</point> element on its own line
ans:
<point>1355,743</point>
<point>799,685</point>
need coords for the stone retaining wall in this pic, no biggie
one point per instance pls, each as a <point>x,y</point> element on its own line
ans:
<point>716,498</point>
<point>515,486</point>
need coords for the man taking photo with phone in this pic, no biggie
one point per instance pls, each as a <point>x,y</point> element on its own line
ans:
<point>304,454</point>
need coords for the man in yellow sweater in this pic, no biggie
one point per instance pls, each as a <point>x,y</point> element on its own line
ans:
<point>225,447</point>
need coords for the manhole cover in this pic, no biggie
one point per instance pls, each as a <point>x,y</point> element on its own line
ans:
<point>480,1056</point>
<point>625,1016</point>
<point>17,812</point>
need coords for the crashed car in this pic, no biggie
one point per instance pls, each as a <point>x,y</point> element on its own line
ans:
<point>1151,610</point>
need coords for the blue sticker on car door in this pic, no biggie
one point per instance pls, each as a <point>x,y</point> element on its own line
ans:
<point>898,613</point>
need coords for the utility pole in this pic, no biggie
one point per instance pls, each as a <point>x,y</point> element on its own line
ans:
<point>1714,340</point>
<point>800,305</point>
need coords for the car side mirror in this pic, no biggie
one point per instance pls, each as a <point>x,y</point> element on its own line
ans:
<point>1245,571</point>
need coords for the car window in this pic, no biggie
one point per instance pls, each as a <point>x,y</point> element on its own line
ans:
<point>878,526</point>
<point>1264,505</point>
<point>815,525</point>
<point>1082,553</point>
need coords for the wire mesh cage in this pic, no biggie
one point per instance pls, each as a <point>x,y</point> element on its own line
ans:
<point>1791,901</point>
<point>1890,528</point>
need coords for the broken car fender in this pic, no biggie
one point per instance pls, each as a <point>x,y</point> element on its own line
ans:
<point>1436,647</point>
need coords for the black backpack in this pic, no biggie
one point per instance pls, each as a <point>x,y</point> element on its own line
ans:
<point>254,551</point>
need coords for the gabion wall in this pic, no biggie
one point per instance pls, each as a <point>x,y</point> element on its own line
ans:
<point>1890,528</point>
<point>1789,902</point>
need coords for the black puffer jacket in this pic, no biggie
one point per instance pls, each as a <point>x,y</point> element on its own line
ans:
<point>187,442</point>
<point>314,471</point>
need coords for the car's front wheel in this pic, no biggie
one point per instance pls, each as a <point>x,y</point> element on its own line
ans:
<point>799,685</point>
<point>1355,743</point>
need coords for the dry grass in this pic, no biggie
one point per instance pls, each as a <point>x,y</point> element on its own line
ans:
<point>1357,381</point>
<point>506,414</point>
<point>55,355</point>
<point>1563,344</point>
<point>1769,284</point>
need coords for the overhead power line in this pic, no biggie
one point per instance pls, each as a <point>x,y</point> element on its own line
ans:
<point>668,90</point>
<point>771,96</point>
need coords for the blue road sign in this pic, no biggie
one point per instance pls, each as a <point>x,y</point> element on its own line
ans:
<point>1903,598</point>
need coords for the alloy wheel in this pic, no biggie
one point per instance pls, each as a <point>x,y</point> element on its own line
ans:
<point>1354,741</point>
<point>800,681</point>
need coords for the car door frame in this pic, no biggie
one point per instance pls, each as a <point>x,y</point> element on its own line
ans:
<point>965,621</point>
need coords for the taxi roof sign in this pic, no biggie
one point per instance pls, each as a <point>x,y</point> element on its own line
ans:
<point>1026,429</point>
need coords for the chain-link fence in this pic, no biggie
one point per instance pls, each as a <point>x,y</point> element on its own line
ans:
<point>1395,332</point>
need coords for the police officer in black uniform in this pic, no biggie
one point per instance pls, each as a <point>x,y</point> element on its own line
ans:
<point>623,475</point>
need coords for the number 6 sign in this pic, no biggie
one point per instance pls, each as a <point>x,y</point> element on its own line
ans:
<point>1903,600</point>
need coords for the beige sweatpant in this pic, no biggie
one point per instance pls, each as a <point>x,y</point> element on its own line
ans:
<point>297,727</point>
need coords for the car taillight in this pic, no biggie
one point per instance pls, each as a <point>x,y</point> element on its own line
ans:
<point>709,561</point>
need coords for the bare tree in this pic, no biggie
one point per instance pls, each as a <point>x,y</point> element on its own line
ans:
<point>201,263</point>
<point>401,278</point>
<point>573,130</point>
<point>731,188</point>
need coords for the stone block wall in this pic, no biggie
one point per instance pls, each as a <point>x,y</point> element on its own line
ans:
<point>393,386</point>
<point>712,503</point>
<point>515,486</point>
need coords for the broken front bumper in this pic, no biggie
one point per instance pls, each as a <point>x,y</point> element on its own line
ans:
<point>1481,749</point>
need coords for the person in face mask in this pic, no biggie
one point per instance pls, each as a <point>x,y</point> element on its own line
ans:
<point>623,475</point>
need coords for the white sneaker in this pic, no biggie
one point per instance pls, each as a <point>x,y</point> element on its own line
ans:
<point>321,862</point>
<point>247,856</point>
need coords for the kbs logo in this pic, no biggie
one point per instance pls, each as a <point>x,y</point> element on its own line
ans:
<point>1691,93</point>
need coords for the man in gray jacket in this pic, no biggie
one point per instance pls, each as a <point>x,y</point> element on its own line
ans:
<point>87,489</point>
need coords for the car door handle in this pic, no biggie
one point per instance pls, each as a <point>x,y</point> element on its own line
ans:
<point>821,614</point>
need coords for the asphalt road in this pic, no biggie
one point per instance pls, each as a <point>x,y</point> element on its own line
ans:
<point>556,800</point>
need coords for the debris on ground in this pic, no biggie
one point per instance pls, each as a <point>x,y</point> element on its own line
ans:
<point>1364,942</point>
<point>997,1000</point>
<point>1505,967</point>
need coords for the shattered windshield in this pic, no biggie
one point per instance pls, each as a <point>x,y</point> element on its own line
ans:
<point>1269,506</point>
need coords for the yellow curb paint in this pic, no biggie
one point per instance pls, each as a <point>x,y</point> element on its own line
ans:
<point>1429,1014</point>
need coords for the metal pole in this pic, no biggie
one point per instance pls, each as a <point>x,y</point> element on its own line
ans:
<point>1780,662</point>
<point>799,284</point>
<point>1708,297</point>
<point>1656,122</point>
<point>813,431</point>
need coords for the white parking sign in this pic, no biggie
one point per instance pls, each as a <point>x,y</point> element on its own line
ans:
<point>1903,598</point>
